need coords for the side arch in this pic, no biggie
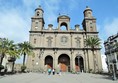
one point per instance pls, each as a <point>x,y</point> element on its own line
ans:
<point>49,61</point>
<point>79,63</point>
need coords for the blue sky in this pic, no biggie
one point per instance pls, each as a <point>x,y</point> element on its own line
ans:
<point>15,16</point>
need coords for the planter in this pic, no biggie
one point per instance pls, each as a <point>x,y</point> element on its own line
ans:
<point>11,59</point>
<point>1,67</point>
<point>23,68</point>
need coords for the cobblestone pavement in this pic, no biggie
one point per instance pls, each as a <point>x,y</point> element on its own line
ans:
<point>64,78</point>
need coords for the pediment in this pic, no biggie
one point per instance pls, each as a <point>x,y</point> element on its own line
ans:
<point>64,17</point>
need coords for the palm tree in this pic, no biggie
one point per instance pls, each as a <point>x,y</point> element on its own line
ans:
<point>7,48</point>
<point>25,49</point>
<point>14,53</point>
<point>93,42</point>
<point>3,48</point>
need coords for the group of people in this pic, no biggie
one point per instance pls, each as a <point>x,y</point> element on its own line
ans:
<point>53,71</point>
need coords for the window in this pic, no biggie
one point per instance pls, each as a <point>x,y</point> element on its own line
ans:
<point>36,23</point>
<point>91,28</point>
<point>34,41</point>
<point>37,13</point>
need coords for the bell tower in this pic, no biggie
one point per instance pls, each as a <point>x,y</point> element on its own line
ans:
<point>38,20</point>
<point>89,22</point>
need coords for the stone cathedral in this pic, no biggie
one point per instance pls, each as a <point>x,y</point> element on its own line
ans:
<point>60,49</point>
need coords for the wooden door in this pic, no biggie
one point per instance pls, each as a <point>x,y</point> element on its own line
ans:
<point>77,68</point>
<point>63,67</point>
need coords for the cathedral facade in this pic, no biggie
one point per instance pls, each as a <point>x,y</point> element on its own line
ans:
<point>60,49</point>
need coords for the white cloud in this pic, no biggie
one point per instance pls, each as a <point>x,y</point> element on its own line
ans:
<point>30,3</point>
<point>73,4</point>
<point>51,8</point>
<point>54,7</point>
<point>13,26</point>
<point>111,27</point>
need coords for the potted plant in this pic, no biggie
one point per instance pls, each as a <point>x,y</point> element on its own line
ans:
<point>23,68</point>
<point>1,67</point>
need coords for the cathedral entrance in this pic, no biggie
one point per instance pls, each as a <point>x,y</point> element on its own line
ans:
<point>79,64</point>
<point>49,62</point>
<point>64,63</point>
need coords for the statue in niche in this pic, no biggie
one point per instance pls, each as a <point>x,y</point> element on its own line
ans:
<point>49,41</point>
<point>78,43</point>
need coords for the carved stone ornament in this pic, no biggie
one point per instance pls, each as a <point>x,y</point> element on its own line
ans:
<point>64,40</point>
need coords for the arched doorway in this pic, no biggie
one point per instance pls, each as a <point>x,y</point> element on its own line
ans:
<point>79,64</point>
<point>49,61</point>
<point>64,62</point>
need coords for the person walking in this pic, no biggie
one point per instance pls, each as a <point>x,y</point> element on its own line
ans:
<point>49,71</point>
<point>53,71</point>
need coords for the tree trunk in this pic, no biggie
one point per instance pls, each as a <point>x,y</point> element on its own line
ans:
<point>88,62</point>
<point>13,66</point>
<point>2,56</point>
<point>24,59</point>
<point>94,61</point>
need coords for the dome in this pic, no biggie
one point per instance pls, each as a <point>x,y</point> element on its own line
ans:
<point>39,8</point>
<point>87,9</point>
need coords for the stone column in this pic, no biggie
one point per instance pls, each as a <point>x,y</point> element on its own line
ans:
<point>72,63</point>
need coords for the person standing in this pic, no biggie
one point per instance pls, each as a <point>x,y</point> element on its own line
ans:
<point>49,71</point>
<point>53,71</point>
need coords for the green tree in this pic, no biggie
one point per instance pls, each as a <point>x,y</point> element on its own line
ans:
<point>14,53</point>
<point>25,49</point>
<point>7,48</point>
<point>93,42</point>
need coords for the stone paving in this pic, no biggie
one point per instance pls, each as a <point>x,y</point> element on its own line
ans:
<point>64,78</point>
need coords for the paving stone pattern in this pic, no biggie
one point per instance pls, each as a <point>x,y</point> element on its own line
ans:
<point>63,78</point>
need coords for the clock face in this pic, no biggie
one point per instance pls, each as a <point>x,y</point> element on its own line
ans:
<point>64,39</point>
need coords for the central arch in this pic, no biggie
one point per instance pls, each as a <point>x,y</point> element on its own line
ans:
<point>64,62</point>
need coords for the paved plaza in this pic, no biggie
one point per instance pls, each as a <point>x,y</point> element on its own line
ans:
<point>64,78</point>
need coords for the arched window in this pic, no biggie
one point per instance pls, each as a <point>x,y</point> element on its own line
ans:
<point>37,13</point>
<point>63,26</point>
<point>34,41</point>
<point>89,14</point>
<point>91,28</point>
